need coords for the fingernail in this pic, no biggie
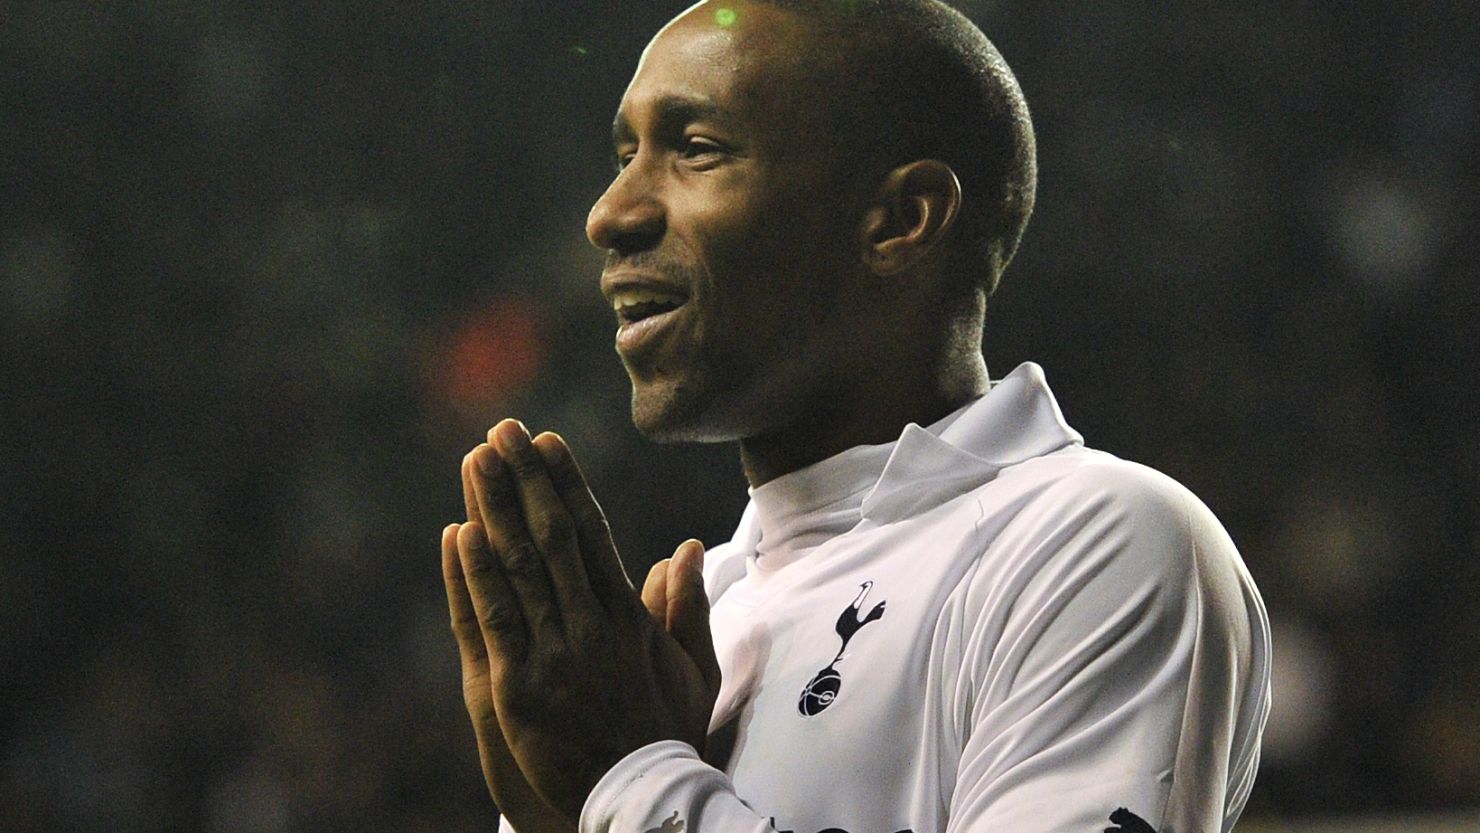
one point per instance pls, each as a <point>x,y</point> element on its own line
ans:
<point>511,431</point>
<point>548,450</point>
<point>695,559</point>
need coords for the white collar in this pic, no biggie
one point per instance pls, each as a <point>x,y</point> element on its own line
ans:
<point>1017,420</point>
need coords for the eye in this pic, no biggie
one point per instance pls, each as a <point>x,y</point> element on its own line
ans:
<point>697,147</point>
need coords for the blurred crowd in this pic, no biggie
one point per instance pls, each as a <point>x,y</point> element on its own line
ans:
<point>267,271</point>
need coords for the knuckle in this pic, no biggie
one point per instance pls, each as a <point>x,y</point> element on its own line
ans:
<point>476,692</point>
<point>525,465</point>
<point>500,619</point>
<point>475,653</point>
<point>523,559</point>
<point>478,567</point>
<point>551,527</point>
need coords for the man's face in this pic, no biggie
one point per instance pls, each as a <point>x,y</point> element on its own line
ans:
<point>731,239</point>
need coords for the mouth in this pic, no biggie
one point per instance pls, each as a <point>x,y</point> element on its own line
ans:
<point>644,313</point>
<point>637,304</point>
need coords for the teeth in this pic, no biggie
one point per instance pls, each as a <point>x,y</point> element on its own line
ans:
<point>633,297</point>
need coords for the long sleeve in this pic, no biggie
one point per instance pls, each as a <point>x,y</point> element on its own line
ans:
<point>1128,673</point>
<point>666,787</point>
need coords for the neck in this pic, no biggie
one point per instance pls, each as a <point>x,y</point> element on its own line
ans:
<point>871,416</point>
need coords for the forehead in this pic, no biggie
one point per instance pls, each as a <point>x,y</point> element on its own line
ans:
<point>740,58</point>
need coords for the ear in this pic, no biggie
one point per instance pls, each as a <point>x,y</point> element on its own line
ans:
<point>913,209</point>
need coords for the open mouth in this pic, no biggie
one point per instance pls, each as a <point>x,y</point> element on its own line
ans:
<point>633,305</point>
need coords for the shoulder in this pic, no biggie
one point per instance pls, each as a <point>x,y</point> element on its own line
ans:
<point>1086,522</point>
<point>1079,474</point>
<point>1079,488</point>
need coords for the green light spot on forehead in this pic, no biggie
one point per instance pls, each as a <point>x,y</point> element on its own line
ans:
<point>725,17</point>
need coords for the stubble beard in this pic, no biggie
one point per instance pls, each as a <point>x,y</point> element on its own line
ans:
<point>711,402</point>
<point>688,410</point>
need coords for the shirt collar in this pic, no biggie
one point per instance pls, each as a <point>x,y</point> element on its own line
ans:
<point>1017,420</point>
<point>807,507</point>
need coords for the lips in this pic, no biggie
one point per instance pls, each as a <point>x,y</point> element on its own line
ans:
<point>645,307</point>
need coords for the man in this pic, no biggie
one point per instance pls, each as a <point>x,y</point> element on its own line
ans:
<point>940,611</point>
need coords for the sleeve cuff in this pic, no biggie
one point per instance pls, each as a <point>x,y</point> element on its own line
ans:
<point>644,784</point>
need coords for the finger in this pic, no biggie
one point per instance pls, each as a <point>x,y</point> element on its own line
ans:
<point>477,685</point>
<point>506,782</point>
<point>655,593</point>
<point>523,568</point>
<point>470,498</point>
<point>460,605</point>
<point>604,571</point>
<point>549,524</point>
<point>495,607</point>
<point>688,609</point>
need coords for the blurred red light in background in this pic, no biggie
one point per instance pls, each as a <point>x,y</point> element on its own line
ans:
<point>495,353</point>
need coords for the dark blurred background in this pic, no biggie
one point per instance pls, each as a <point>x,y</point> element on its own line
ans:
<point>267,271</point>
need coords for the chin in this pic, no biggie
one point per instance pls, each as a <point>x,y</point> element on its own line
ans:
<point>683,413</point>
<point>673,425</point>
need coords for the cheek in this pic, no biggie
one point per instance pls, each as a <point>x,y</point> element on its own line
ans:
<point>768,260</point>
<point>779,245</point>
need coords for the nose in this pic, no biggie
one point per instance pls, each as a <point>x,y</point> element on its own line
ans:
<point>628,218</point>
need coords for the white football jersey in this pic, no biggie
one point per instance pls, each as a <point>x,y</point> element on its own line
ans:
<point>1002,631</point>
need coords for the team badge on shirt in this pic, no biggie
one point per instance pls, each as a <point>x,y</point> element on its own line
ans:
<point>1128,823</point>
<point>824,688</point>
<point>672,824</point>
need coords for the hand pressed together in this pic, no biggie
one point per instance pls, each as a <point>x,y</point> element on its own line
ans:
<point>565,669</point>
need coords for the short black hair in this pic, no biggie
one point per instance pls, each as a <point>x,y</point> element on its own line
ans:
<point>926,83</point>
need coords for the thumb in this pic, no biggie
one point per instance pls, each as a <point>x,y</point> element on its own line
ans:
<point>655,593</point>
<point>688,609</point>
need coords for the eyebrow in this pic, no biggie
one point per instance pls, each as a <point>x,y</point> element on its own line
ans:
<point>674,112</point>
